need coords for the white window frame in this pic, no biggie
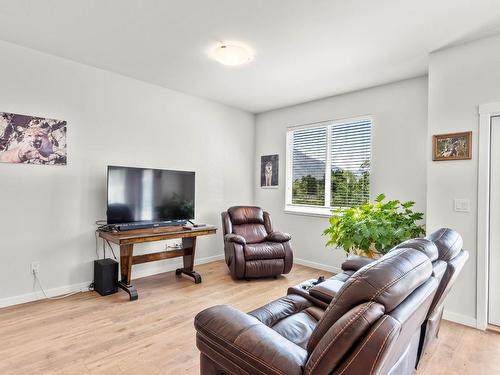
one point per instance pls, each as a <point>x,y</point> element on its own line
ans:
<point>309,210</point>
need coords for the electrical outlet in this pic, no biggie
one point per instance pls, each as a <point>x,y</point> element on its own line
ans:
<point>35,267</point>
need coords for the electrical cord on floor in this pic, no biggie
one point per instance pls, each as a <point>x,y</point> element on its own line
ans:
<point>35,275</point>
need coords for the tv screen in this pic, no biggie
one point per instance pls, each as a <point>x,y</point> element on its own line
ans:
<point>139,194</point>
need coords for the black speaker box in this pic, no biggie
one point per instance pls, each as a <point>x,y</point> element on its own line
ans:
<point>105,276</point>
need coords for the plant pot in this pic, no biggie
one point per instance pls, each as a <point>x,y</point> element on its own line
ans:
<point>371,253</point>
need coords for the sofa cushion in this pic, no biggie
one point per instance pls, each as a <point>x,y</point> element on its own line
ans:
<point>264,250</point>
<point>292,316</point>
<point>387,281</point>
<point>264,268</point>
<point>252,233</point>
<point>246,215</point>
<point>448,242</point>
<point>423,245</point>
<point>297,328</point>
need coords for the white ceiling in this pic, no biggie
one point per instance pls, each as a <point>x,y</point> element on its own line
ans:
<point>305,49</point>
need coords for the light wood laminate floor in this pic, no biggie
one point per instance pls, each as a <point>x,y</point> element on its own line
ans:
<point>90,334</point>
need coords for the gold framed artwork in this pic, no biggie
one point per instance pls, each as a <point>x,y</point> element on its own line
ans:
<point>452,146</point>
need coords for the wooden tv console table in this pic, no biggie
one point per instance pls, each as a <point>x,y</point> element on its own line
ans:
<point>127,239</point>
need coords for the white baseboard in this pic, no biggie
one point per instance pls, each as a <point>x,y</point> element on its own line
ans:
<point>319,266</point>
<point>460,318</point>
<point>54,292</point>
<point>37,295</point>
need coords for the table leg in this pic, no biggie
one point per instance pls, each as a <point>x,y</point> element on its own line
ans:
<point>189,245</point>
<point>126,255</point>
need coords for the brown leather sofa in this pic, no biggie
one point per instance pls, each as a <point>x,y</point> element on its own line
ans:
<point>449,244</point>
<point>252,248</point>
<point>372,326</point>
<point>446,268</point>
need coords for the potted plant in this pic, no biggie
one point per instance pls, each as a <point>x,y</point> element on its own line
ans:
<point>372,229</point>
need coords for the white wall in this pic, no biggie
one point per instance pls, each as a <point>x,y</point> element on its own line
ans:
<point>47,213</point>
<point>460,79</point>
<point>398,159</point>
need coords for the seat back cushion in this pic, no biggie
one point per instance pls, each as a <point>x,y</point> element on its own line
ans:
<point>264,250</point>
<point>246,215</point>
<point>248,222</point>
<point>292,316</point>
<point>252,233</point>
<point>373,347</point>
<point>448,242</point>
<point>341,336</point>
<point>387,281</point>
<point>424,245</point>
<point>411,315</point>
<point>297,328</point>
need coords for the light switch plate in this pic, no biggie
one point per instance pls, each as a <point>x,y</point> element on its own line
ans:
<point>461,205</point>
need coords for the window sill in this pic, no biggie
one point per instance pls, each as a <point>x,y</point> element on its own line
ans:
<point>308,211</point>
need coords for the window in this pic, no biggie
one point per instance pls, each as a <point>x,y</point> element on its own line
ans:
<point>328,165</point>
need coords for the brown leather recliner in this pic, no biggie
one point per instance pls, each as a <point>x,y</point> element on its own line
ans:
<point>449,244</point>
<point>371,327</point>
<point>447,264</point>
<point>252,248</point>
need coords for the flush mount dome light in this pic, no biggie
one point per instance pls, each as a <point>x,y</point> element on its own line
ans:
<point>232,54</point>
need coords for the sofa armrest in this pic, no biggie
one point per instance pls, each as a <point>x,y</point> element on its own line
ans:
<point>303,288</point>
<point>326,290</point>
<point>242,340</point>
<point>235,258</point>
<point>278,237</point>
<point>355,262</point>
<point>235,238</point>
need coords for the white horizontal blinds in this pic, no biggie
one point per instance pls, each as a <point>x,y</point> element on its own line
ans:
<point>350,162</point>
<point>309,166</point>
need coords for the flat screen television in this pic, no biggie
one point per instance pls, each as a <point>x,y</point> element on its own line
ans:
<point>149,195</point>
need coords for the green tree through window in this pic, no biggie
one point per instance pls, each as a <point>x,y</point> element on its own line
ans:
<point>309,190</point>
<point>350,189</point>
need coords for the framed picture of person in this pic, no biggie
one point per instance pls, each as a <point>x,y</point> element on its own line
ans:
<point>269,171</point>
<point>453,146</point>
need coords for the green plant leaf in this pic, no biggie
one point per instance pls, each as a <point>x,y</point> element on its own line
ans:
<point>380,225</point>
<point>408,204</point>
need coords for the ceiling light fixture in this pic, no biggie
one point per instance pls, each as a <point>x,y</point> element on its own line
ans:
<point>232,54</point>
